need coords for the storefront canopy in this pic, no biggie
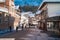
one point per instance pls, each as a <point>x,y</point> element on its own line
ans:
<point>3,10</point>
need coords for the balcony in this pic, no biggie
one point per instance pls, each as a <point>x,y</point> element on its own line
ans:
<point>1,1</point>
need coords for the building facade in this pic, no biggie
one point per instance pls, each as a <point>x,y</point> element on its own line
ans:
<point>38,18</point>
<point>18,16</point>
<point>50,15</point>
<point>8,15</point>
<point>3,15</point>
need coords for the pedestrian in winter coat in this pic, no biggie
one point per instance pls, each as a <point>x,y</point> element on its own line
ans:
<point>10,28</point>
<point>22,26</point>
<point>16,29</point>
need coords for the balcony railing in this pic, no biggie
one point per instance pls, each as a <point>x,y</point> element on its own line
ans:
<point>2,1</point>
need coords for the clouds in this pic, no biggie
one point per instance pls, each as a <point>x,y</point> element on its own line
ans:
<point>28,2</point>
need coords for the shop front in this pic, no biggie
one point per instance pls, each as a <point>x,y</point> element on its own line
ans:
<point>3,19</point>
<point>53,24</point>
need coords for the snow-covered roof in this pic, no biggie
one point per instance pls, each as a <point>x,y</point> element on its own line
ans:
<point>17,7</point>
<point>38,12</point>
<point>52,0</point>
<point>49,1</point>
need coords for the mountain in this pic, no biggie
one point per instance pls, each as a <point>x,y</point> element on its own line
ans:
<point>29,8</point>
<point>28,2</point>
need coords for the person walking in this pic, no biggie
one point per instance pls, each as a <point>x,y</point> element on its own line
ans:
<point>10,28</point>
<point>22,26</point>
<point>16,29</point>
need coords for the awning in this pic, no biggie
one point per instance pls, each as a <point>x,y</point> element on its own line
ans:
<point>3,9</point>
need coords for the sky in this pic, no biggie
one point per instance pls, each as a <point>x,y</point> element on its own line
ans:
<point>52,0</point>
<point>28,2</point>
<point>33,3</point>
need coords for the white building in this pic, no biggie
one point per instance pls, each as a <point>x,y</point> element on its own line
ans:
<point>53,7</point>
<point>51,10</point>
<point>25,18</point>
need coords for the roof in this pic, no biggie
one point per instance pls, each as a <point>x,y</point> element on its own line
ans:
<point>17,7</point>
<point>38,12</point>
<point>52,0</point>
<point>40,5</point>
<point>49,1</point>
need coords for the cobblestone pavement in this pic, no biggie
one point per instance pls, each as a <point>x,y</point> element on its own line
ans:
<point>28,34</point>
